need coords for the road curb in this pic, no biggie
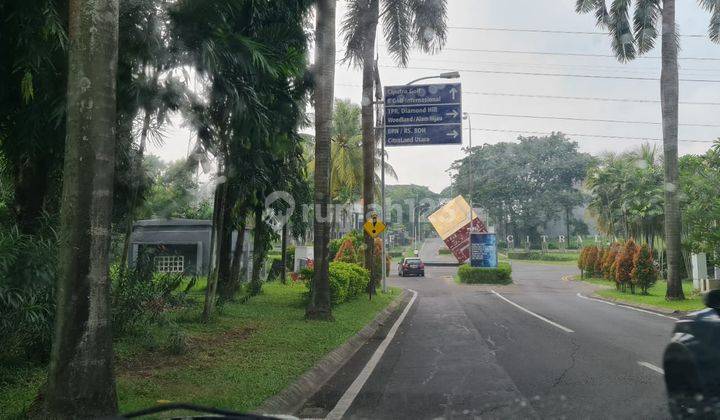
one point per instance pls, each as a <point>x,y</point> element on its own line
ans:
<point>291,399</point>
<point>651,308</point>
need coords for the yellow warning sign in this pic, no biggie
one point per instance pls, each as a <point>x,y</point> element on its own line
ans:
<point>374,226</point>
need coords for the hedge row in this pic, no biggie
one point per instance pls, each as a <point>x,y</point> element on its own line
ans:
<point>475,275</point>
<point>347,281</point>
<point>541,256</point>
<point>627,265</point>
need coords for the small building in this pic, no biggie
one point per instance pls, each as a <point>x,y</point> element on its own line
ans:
<point>179,245</point>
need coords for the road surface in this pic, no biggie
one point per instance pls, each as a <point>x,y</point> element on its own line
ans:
<point>534,349</point>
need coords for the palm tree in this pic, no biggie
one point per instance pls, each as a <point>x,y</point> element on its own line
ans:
<point>319,306</point>
<point>406,23</point>
<point>628,41</point>
<point>347,169</point>
<point>80,379</point>
<point>146,85</point>
<point>250,54</point>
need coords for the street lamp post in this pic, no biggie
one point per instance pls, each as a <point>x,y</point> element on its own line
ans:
<point>446,75</point>
<point>466,116</point>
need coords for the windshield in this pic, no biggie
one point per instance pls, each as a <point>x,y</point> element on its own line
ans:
<point>362,209</point>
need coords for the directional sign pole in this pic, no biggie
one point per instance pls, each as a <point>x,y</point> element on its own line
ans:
<point>382,199</point>
<point>472,174</point>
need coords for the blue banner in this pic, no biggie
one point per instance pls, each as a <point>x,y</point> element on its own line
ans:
<point>483,250</point>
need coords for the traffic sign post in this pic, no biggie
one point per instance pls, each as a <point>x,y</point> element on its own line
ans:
<point>423,114</point>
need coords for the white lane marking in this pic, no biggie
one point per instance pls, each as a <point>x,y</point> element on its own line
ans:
<point>554,324</point>
<point>580,295</point>
<point>352,392</point>
<point>652,367</point>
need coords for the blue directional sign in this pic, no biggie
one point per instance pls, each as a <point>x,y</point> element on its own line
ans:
<point>423,114</point>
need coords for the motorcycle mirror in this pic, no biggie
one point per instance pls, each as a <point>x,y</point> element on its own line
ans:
<point>712,299</point>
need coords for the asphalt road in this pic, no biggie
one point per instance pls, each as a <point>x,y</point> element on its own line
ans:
<point>475,351</point>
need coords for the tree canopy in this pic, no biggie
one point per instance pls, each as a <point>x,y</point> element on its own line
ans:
<point>523,185</point>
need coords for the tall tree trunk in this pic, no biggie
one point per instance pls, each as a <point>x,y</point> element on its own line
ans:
<point>80,378</point>
<point>283,253</point>
<point>370,18</point>
<point>568,212</point>
<point>224,251</point>
<point>258,253</point>
<point>218,222</point>
<point>669,94</point>
<point>235,268</point>
<point>134,188</point>
<point>319,306</point>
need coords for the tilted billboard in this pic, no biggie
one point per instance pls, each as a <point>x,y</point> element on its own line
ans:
<point>452,223</point>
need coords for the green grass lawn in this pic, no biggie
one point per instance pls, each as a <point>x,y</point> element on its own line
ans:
<point>655,296</point>
<point>406,251</point>
<point>249,353</point>
<point>552,257</point>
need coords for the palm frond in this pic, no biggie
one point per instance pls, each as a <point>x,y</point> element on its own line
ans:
<point>353,30</point>
<point>397,25</point>
<point>645,19</point>
<point>619,26</point>
<point>429,24</point>
<point>601,12</point>
<point>713,6</point>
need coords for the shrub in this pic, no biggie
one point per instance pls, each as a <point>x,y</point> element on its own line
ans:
<point>581,263</point>
<point>290,258</point>
<point>358,280</point>
<point>590,260</point>
<point>609,263</point>
<point>357,237</point>
<point>377,260</point>
<point>541,256</point>
<point>275,268</point>
<point>177,340</point>
<point>476,275</point>
<point>624,265</point>
<point>140,296</point>
<point>347,281</point>
<point>346,253</point>
<point>644,272</point>
<point>333,248</point>
<point>27,300</point>
<point>599,261</point>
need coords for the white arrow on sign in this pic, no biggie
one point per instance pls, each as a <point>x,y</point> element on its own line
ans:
<point>453,114</point>
<point>453,91</point>
<point>453,134</point>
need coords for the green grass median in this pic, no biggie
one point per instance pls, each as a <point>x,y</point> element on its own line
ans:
<point>545,258</point>
<point>655,297</point>
<point>250,352</point>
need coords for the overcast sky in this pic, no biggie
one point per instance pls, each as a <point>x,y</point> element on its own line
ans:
<point>427,165</point>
